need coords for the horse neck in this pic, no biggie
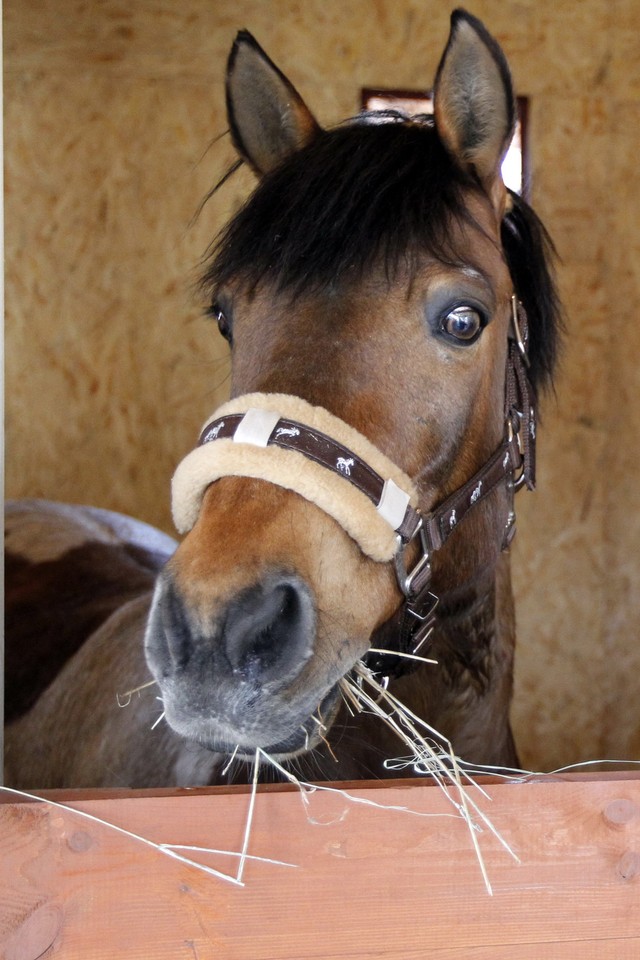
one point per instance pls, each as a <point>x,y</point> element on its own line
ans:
<point>475,624</point>
<point>468,694</point>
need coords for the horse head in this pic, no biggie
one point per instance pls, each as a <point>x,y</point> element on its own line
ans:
<point>367,289</point>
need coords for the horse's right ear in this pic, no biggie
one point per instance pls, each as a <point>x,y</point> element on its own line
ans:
<point>267,116</point>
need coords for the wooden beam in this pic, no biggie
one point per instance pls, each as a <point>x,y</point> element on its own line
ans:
<point>367,883</point>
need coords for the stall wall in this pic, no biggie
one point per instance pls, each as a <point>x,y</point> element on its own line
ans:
<point>113,112</point>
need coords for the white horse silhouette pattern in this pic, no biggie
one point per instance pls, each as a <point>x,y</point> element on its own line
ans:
<point>476,493</point>
<point>344,465</point>
<point>212,434</point>
<point>287,432</point>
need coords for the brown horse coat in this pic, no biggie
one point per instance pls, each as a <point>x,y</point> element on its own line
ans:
<point>371,274</point>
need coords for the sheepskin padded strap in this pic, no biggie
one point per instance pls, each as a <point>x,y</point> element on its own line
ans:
<point>303,448</point>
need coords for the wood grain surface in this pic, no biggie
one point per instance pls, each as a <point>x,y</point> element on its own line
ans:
<point>367,882</point>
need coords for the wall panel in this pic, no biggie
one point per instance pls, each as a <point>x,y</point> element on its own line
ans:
<point>110,108</point>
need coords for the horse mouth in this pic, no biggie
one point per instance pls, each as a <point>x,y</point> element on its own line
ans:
<point>308,735</point>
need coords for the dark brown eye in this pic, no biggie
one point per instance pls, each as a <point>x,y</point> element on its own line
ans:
<point>463,323</point>
<point>219,315</point>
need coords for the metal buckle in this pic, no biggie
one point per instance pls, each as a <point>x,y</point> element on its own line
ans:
<point>427,617</point>
<point>515,433</point>
<point>520,340</point>
<point>408,578</point>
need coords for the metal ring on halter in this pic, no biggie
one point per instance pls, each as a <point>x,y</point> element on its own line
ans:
<point>512,434</point>
<point>427,619</point>
<point>421,571</point>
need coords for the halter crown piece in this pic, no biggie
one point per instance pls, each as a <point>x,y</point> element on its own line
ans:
<point>304,448</point>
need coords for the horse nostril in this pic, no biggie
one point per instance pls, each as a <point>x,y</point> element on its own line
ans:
<point>168,637</point>
<point>268,631</point>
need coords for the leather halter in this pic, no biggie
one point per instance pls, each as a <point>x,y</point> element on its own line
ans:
<point>512,464</point>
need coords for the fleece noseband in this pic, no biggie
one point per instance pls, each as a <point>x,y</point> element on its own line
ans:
<point>289,442</point>
<point>304,448</point>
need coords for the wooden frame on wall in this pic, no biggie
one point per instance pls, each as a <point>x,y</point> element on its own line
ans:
<point>421,102</point>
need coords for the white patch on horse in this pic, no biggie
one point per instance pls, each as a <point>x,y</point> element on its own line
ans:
<point>43,531</point>
<point>476,493</point>
<point>344,465</point>
<point>287,432</point>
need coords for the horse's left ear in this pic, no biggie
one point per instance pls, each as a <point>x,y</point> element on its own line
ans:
<point>268,118</point>
<point>474,103</point>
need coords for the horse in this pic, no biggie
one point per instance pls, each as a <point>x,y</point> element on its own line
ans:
<point>392,317</point>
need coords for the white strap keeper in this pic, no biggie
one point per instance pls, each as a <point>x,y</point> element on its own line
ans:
<point>256,427</point>
<point>393,504</point>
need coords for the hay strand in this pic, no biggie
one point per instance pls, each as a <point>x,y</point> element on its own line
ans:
<point>406,656</point>
<point>432,755</point>
<point>249,822</point>
<point>163,848</point>
<point>120,697</point>
<point>156,722</point>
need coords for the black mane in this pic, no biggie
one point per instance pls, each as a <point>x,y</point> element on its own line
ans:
<point>366,192</point>
<point>530,254</point>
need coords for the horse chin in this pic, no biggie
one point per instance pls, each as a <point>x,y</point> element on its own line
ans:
<point>304,737</point>
<point>308,736</point>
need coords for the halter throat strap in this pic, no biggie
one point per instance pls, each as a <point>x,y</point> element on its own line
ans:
<point>511,465</point>
<point>514,460</point>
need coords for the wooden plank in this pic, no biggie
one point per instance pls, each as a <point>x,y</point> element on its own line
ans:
<point>368,882</point>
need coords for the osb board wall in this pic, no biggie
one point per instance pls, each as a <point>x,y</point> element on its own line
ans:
<point>109,110</point>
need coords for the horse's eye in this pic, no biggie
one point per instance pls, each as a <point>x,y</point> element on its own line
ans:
<point>463,323</point>
<point>219,315</point>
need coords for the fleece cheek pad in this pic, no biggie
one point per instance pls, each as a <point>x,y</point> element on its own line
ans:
<point>249,454</point>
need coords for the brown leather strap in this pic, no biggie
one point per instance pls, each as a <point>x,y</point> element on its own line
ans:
<point>326,451</point>
<point>519,400</point>
<point>512,464</point>
<point>515,453</point>
<point>406,631</point>
<point>442,521</point>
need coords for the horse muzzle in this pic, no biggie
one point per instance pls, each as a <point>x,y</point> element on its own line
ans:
<point>242,677</point>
